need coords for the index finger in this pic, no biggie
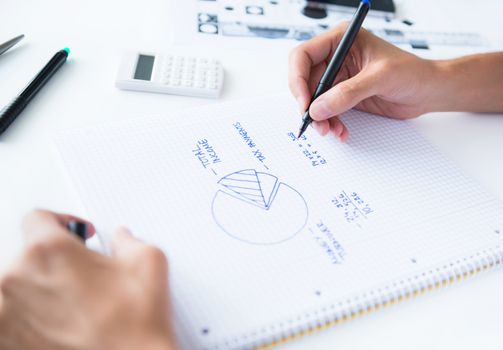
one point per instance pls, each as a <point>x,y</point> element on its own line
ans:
<point>42,223</point>
<point>308,55</point>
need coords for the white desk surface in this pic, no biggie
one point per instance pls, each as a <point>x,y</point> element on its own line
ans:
<point>464,316</point>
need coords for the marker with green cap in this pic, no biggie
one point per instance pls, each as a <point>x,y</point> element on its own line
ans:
<point>10,112</point>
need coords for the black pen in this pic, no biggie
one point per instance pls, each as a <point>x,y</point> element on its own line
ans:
<point>78,228</point>
<point>333,68</point>
<point>12,110</point>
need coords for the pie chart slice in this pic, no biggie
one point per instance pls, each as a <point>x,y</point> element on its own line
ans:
<point>257,208</point>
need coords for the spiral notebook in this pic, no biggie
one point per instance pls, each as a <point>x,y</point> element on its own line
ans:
<point>270,237</point>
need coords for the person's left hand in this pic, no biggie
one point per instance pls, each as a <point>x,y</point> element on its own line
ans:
<point>60,295</point>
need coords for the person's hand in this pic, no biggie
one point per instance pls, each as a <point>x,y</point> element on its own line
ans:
<point>60,295</point>
<point>376,77</point>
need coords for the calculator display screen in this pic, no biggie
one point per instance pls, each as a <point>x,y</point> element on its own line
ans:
<point>144,67</point>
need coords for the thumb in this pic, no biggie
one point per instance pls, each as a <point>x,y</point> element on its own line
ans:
<point>146,259</point>
<point>344,96</point>
<point>39,224</point>
<point>124,245</point>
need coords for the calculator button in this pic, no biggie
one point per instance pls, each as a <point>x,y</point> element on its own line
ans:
<point>187,83</point>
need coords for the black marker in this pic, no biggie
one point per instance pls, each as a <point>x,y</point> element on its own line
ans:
<point>12,110</point>
<point>78,228</point>
<point>333,68</point>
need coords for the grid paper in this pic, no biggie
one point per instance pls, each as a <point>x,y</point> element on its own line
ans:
<point>243,274</point>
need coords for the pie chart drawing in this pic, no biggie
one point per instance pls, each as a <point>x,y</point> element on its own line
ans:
<point>256,208</point>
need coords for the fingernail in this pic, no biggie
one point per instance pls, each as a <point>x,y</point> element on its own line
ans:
<point>338,130</point>
<point>344,135</point>
<point>90,228</point>
<point>320,109</point>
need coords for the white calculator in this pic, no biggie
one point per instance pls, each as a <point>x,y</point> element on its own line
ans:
<point>171,74</point>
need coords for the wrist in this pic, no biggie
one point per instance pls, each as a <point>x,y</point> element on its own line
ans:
<point>439,88</point>
<point>452,87</point>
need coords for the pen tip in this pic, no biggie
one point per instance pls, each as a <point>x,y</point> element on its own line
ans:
<point>67,50</point>
<point>302,130</point>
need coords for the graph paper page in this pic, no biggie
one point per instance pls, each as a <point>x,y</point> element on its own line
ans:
<point>266,233</point>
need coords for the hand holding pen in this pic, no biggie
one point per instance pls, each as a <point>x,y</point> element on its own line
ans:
<point>71,292</point>
<point>375,76</point>
<point>337,60</point>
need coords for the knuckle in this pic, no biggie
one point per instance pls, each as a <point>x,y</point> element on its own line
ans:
<point>37,213</point>
<point>38,221</point>
<point>36,251</point>
<point>154,255</point>
<point>296,57</point>
<point>54,244</point>
<point>296,54</point>
<point>346,92</point>
<point>346,88</point>
<point>341,27</point>
<point>339,98</point>
<point>364,33</point>
<point>383,67</point>
<point>293,52</point>
<point>293,84</point>
<point>8,283</point>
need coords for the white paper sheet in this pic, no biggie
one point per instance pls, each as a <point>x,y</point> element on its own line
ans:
<point>285,23</point>
<point>266,234</point>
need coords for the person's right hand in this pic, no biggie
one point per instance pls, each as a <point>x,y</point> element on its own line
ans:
<point>376,77</point>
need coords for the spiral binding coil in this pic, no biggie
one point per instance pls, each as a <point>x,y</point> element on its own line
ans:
<point>397,292</point>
